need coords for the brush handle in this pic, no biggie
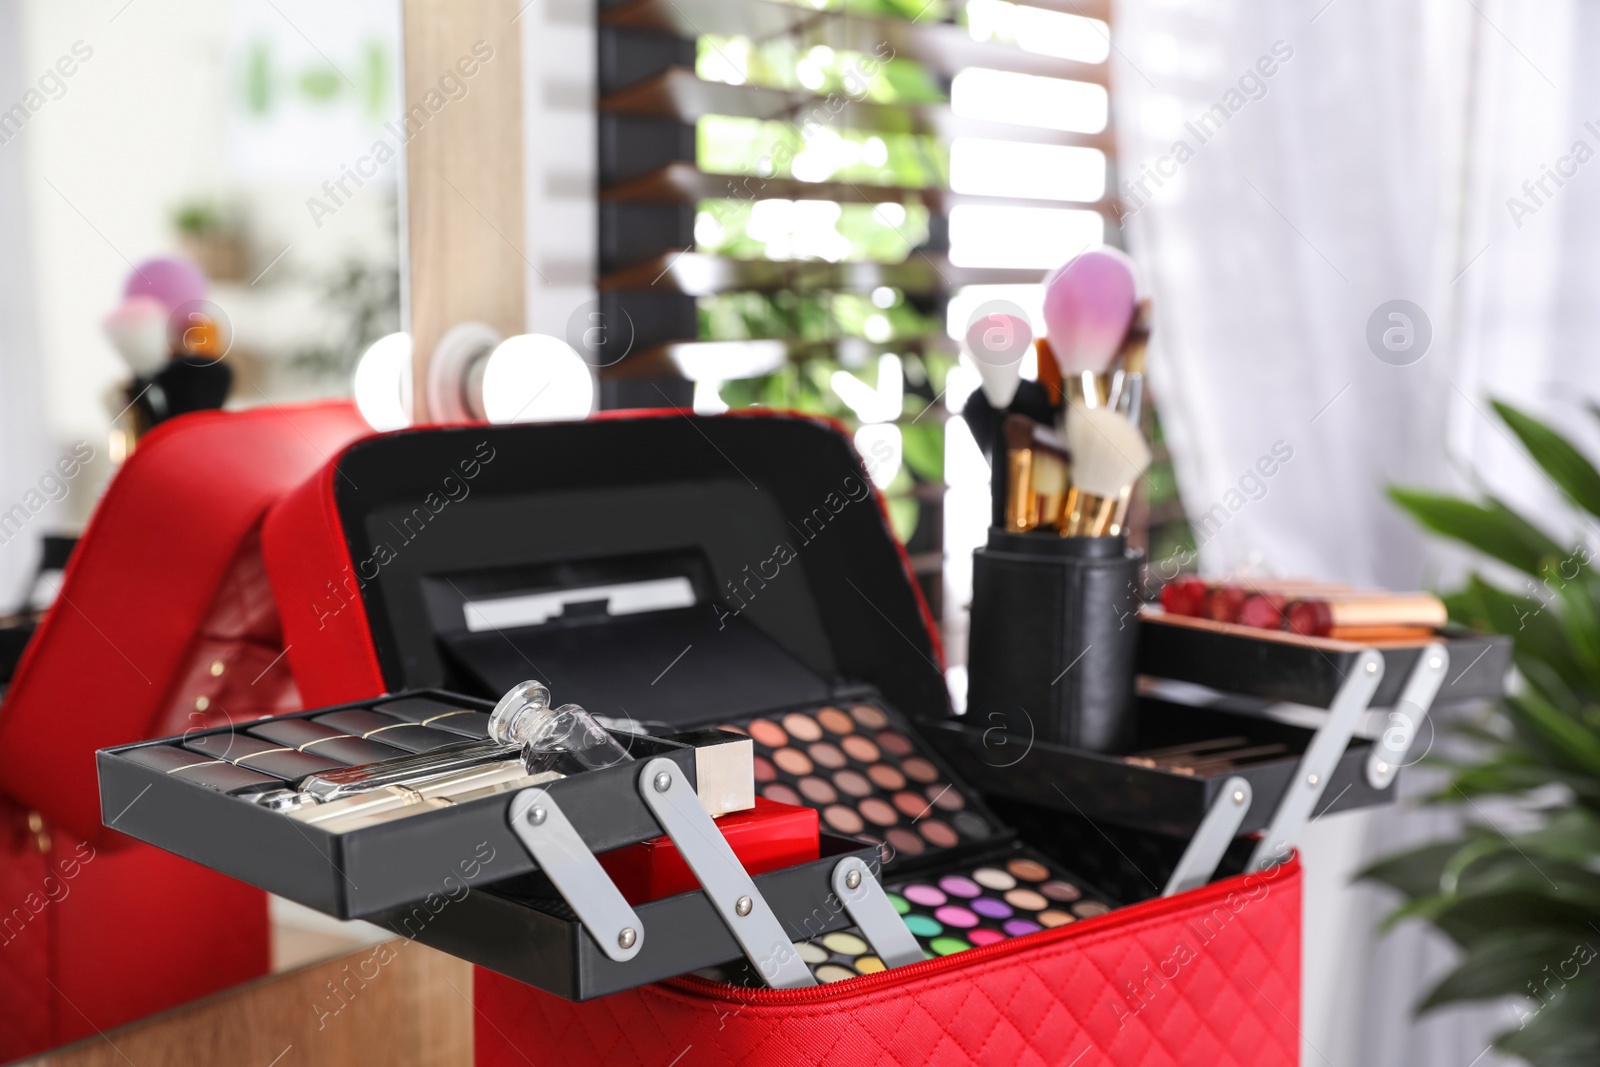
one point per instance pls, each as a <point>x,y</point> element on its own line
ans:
<point>1022,504</point>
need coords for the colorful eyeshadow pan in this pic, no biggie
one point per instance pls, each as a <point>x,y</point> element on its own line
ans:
<point>870,965</point>
<point>1028,870</point>
<point>852,783</point>
<point>995,878</point>
<point>802,727</point>
<point>827,755</point>
<point>886,777</point>
<point>811,952</point>
<point>958,886</point>
<point>860,749</point>
<point>867,777</point>
<point>1054,918</point>
<point>1088,909</point>
<point>1056,889</point>
<point>833,972</point>
<point>835,721</point>
<point>904,842</point>
<point>843,819</point>
<point>818,791</point>
<point>768,733</point>
<point>946,946</point>
<point>954,915</point>
<point>991,908</point>
<point>899,903</point>
<point>985,937</point>
<point>926,895</point>
<point>869,717</point>
<point>1026,900</point>
<point>923,926</point>
<point>896,744</point>
<point>779,793</point>
<point>845,943</point>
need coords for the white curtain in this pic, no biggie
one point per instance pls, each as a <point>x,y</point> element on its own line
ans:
<point>1339,156</point>
<point>23,455</point>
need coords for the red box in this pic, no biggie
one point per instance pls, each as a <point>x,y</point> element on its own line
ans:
<point>766,838</point>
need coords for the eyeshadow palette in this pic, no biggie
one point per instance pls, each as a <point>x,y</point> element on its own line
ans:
<point>869,778</point>
<point>266,754</point>
<point>993,899</point>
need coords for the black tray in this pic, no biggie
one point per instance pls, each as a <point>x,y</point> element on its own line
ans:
<point>366,872</point>
<point>1104,787</point>
<point>521,929</point>
<point>1237,659</point>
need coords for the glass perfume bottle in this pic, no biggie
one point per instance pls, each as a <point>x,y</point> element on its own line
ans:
<point>567,739</point>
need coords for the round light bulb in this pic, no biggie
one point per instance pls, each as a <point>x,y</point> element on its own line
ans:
<point>534,377</point>
<point>382,383</point>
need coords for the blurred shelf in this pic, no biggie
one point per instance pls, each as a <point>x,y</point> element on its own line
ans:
<point>700,274</point>
<point>725,360</point>
<point>677,93</point>
<point>684,183</point>
<point>943,47</point>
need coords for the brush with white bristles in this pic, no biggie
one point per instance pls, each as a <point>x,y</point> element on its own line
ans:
<point>1108,456</point>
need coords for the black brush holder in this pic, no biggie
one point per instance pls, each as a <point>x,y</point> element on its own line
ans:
<point>1054,638</point>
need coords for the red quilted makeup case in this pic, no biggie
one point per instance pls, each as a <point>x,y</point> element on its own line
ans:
<point>375,558</point>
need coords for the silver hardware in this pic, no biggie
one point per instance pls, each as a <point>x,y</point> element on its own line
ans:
<point>536,816</point>
<point>742,906</point>
<point>558,850</point>
<point>1407,716</point>
<point>723,878</point>
<point>1216,832</point>
<point>1321,758</point>
<point>663,782</point>
<point>874,916</point>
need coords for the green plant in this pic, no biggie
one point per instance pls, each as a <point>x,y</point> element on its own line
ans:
<point>200,217</point>
<point>1524,907</point>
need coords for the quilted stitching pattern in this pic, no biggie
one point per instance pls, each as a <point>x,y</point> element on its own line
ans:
<point>25,938</point>
<point>1214,982</point>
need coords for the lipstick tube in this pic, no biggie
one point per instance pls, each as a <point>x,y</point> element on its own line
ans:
<point>1321,617</point>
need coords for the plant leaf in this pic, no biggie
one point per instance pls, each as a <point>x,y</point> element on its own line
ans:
<point>1500,965</point>
<point>1566,466</point>
<point>1491,527</point>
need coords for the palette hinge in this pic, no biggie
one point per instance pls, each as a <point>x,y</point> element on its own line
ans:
<point>732,892</point>
<point>549,837</point>
<point>1321,758</point>
<point>1408,715</point>
<point>1199,862</point>
<point>868,907</point>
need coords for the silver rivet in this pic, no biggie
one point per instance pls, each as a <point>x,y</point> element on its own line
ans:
<point>852,880</point>
<point>627,937</point>
<point>536,816</point>
<point>1435,663</point>
<point>1383,768</point>
<point>1312,779</point>
<point>1238,796</point>
<point>1372,668</point>
<point>742,906</point>
<point>663,782</point>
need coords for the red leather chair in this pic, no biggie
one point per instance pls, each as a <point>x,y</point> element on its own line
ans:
<point>165,622</point>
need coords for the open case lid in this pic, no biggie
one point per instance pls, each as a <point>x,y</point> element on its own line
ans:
<point>659,566</point>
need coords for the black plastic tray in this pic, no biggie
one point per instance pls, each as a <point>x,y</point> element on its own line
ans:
<point>363,873</point>
<point>1235,659</point>
<point>522,930</point>
<point>1108,788</point>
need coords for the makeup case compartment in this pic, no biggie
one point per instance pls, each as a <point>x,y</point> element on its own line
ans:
<point>673,572</point>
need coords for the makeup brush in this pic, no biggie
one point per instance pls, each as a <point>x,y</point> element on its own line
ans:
<point>1088,304</point>
<point>1022,504</point>
<point>1050,465</point>
<point>137,329</point>
<point>996,344</point>
<point>1127,379</point>
<point>1108,455</point>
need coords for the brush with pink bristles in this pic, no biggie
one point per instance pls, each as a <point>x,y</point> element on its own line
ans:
<point>1088,305</point>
